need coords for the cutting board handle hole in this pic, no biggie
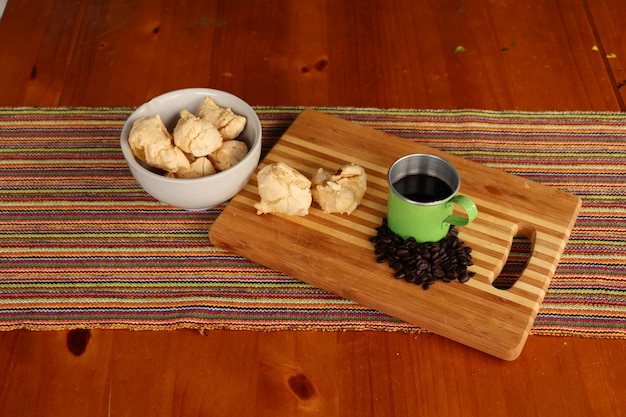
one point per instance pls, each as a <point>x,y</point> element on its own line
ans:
<point>521,249</point>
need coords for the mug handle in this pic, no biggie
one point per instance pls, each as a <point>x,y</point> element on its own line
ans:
<point>470,210</point>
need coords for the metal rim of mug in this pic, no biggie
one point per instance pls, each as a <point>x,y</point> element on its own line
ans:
<point>434,167</point>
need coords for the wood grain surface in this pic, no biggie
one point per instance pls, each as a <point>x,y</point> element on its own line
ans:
<point>536,55</point>
<point>334,252</point>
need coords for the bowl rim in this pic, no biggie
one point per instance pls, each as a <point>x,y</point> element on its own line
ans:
<point>204,92</point>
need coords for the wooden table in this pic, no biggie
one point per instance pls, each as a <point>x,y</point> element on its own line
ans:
<point>533,55</point>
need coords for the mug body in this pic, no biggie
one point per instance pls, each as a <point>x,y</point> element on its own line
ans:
<point>421,195</point>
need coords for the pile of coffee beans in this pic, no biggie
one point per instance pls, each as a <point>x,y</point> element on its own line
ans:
<point>423,263</point>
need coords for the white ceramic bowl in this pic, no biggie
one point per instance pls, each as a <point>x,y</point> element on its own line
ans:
<point>197,193</point>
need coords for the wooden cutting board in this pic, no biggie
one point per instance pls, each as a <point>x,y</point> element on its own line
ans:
<point>333,251</point>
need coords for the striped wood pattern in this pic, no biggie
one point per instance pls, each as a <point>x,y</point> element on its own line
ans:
<point>333,251</point>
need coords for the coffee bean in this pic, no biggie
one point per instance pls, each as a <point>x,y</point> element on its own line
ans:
<point>410,278</point>
<point>410,261</point>
<point>423,263</point>
<point>402,251</point>
<point>396,265</point>
<point>410,269</point>
<point>399,274</point>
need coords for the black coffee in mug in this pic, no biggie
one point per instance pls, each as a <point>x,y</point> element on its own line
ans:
<point>423,188</point>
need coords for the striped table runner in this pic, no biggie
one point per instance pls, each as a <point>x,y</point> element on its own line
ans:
<point>82,245</point>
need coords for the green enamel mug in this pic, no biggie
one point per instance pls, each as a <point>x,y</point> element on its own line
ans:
<point>423,191</point>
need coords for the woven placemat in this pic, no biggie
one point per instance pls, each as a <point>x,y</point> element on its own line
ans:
<point>82,245</point>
